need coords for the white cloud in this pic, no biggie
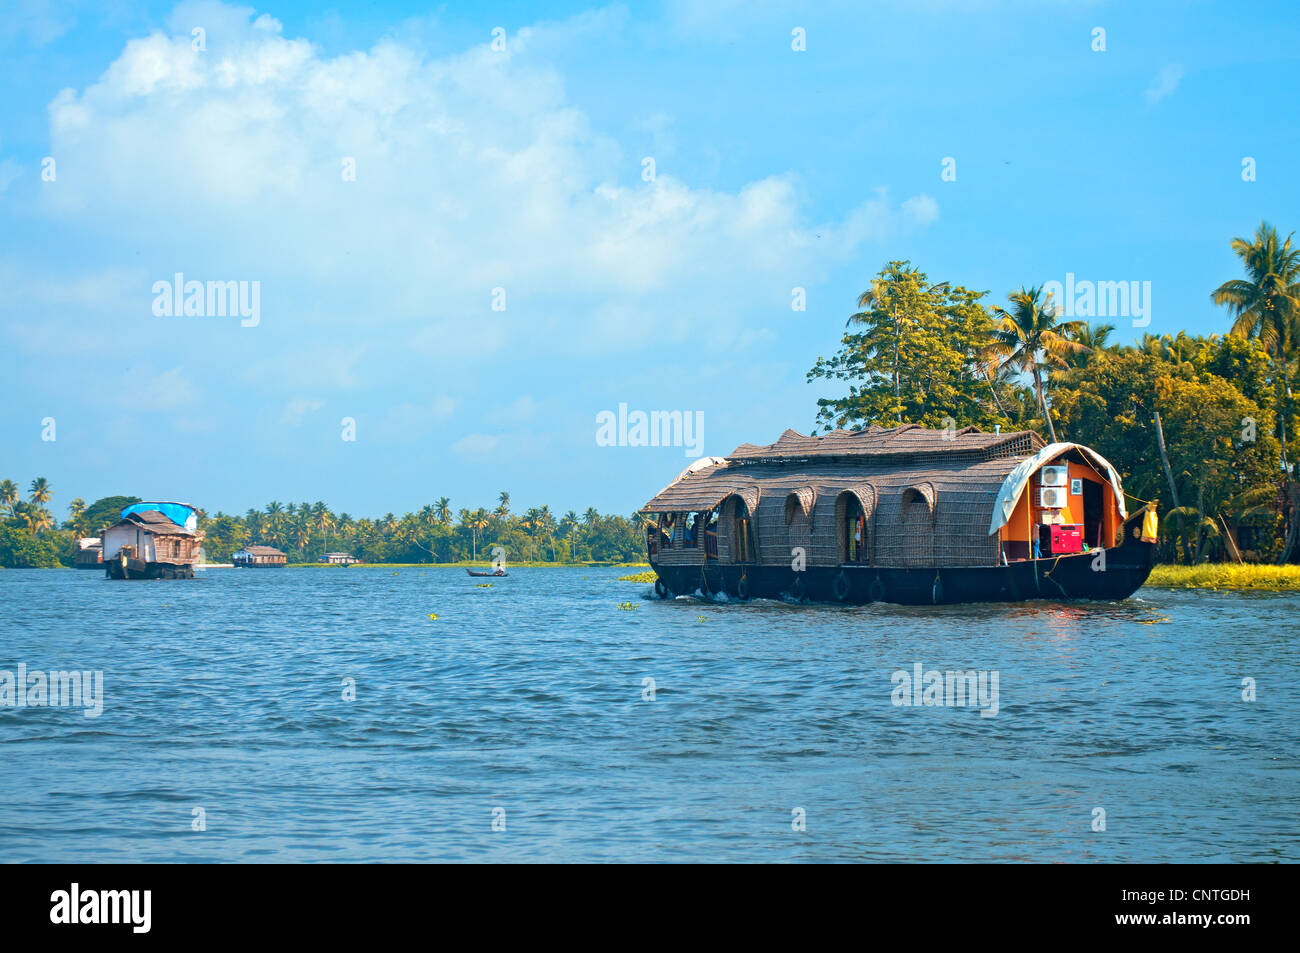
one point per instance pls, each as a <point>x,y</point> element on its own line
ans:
<point>1166,82</point>
<point>473,171</point>
<point>476,445</point>
<point>143,388</point>
<point>409,421</point>
<point>297,409</point>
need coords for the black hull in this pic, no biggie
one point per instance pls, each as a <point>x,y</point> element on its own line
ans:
<point>1056,577</point>
<point>135,569</point>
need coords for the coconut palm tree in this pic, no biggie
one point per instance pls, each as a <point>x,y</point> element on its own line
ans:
<point>443,509</point>
<point>1266,305</point>
<point>479,521</point>
<point>77,517</point>
<point>503,505</point>
<point>1032,340</point>
<point>9,494</point>
<point>37,518</point>
<point>40,491</point>
<point>1096,339</point>
<point>569,530</point>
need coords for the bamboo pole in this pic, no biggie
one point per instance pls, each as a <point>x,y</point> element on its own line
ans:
<point>1232,543</point>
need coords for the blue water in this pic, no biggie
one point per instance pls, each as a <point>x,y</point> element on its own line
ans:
<point>225,693</point>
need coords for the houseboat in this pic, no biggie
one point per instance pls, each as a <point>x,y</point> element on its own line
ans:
<point>259,557</point>
<point>903,514</point>
<point>89,553</point>
<point>153,541</point>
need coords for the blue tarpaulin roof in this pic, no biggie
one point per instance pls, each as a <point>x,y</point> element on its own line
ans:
<point>178,513</point>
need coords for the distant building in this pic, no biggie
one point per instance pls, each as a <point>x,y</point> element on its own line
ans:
<point>153,541</point>
<point>89,553</point>
<point>344,559</point>
<point>259,557</point>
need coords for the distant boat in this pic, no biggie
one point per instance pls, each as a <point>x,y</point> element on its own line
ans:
<point>152,541</point>
<point>497,573</point>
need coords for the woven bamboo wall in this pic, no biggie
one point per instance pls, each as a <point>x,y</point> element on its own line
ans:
<point>956,534</point>
<point>679,554</point>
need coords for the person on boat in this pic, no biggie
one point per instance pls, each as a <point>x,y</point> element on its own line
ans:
<point>1037,548</point>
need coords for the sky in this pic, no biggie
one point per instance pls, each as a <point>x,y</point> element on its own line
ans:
<point>471,229</point>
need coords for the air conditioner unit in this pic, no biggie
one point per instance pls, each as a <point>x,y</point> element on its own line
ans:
<point>1052,497</point>
<point>1053,476</point>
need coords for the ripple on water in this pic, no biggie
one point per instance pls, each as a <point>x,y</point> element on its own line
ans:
<point>688,729</point>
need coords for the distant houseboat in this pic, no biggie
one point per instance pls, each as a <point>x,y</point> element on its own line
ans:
<point>340,559</point>
<point>259,557</point>
<point>89,553</point>
<point>903,514</point>
<point>153,541</point>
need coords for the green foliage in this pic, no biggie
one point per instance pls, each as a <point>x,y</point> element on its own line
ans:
<point>913,353</point>
<point>105,512</point>
<point>1227,576</point>
<point>432,534</point>
<point>22,549</point>
<point>923,353</point>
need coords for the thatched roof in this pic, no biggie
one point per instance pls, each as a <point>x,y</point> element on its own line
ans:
<point>905,457</point>
<point>154,522</point>
<point>906,440</point>
<point>261,551</point>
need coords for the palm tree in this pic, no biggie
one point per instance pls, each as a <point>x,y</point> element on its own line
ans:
<point>9,494</point>
<point>77,516</point>
<point>1266,305</point>
<point>569,530</point>
<point>1096,340</point>
<point>323,520</point>
<point>478,522</point>
<point>443,509</point>
<point>37,518</point>
<point>40,491</point>
<point>503,504</point>
<point>1032,340</point>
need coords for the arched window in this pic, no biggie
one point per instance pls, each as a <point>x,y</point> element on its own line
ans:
<point>738,509</point>
<point>854,509</point>
<point>918,503</point>
<point>799,517</point>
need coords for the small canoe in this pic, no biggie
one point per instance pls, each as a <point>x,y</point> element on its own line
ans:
<point>494,574</point>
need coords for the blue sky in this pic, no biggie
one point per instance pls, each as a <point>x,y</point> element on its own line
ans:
<point>523,169</point>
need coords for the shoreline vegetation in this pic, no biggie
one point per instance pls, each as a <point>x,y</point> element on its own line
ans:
<point>434,535</point>
<point>1226,576</point>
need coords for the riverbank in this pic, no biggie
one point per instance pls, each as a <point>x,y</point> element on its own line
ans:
<point>1245,578</point>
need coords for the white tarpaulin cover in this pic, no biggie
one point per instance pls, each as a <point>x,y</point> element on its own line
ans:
<point>1018,479</point>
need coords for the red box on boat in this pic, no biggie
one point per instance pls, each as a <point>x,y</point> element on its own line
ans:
<point>1067,538</point>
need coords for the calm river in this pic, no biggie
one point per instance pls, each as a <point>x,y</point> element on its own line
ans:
<point>536,720</point>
